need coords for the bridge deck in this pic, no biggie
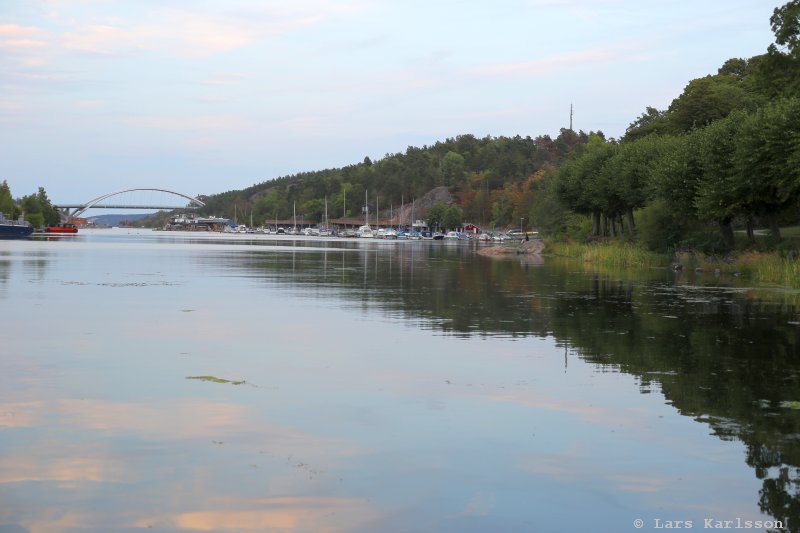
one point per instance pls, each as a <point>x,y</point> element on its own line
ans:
<point>105,206</point>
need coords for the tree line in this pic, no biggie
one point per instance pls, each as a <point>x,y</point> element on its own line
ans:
<point>725,152</point>
<point>36,208</point>
<point>489,177</point>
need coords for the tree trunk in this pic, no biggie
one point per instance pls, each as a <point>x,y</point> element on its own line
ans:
<point>751,234</point>
<point>631,224</point>
<point>595,223</point>
<point>614,226</point>
<point>727,232</point>
<point>774,227</point>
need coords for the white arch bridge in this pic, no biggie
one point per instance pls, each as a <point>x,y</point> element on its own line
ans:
<point>101,202</point>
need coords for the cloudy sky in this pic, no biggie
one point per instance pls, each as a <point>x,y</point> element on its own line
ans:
<point>202,96</point>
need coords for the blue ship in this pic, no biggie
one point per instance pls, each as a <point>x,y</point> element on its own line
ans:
<point>14,229</point>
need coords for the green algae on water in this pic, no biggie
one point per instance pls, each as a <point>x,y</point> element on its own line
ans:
<point>215,379</point>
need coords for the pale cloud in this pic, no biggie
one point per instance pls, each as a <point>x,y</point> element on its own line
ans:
<point>194,123</point>
<point>15,30</point>
<point>104,40</point>
<point>225,78</point>
<point>194,35</point>
<point>203,143</point>
<point>183,35</point>
<point>23,46</point>
<point>551,64</point>
<point>90,104</point>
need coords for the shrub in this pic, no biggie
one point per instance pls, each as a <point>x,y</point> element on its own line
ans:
<point>659,228</point>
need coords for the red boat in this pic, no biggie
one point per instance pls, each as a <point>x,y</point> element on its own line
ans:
<point>62,228</point>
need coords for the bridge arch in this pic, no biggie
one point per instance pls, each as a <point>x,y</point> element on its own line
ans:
<point>193,202</point>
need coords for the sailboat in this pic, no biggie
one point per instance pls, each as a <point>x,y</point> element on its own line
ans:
<point>365,231</point>
<point>413,234</point>
<point>325,231</point>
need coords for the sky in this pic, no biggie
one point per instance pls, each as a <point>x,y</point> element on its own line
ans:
<point>202,96</point>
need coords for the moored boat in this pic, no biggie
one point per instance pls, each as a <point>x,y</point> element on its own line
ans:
<point>365,232</point>
<point>14,229</point>
<point>61,228</point>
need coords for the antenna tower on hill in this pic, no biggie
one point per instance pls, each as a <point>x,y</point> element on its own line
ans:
<point>570,117</point>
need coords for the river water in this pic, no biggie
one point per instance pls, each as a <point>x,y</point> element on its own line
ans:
<point>179,382</point>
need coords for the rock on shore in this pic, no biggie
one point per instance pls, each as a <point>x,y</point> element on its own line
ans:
<point>531,247</point>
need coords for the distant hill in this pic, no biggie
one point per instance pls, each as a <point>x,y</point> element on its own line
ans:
<point>116,219</point>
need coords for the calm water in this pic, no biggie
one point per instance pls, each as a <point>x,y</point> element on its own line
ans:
<point>388,387</point>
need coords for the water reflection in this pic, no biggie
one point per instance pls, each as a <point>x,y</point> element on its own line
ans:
<point>717,354</point>
<point>31,263</point>
<point>389,387</point>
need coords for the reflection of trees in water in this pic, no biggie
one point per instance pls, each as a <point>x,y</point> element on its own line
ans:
<point>5,273</point>
<point>434,286</point>
<point>720,358</point>
<point>717,356</point>
<point>33,265</point>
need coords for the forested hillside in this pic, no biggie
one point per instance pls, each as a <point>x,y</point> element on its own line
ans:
<point>492,179</point>
<point>725,153</point>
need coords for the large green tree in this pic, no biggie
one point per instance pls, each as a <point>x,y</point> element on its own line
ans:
<point>779,68</point>
<point>436,216</point>
<point>629,172</point>
<point>785,22</point>
<point>582,184</point>
<point>7,205</point>
<point>707,99</point>
<point>49,213</point>
<point>453,217</point>
<point>721,189</point>
<point>453,166</point>
<point>767,157</point>
<point>651,121</point>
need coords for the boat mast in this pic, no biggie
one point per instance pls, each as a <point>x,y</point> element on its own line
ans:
<point>294,215</point>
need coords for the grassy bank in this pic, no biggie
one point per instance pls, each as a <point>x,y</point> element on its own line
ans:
<point>613,254</point>
<point>760,267</point>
